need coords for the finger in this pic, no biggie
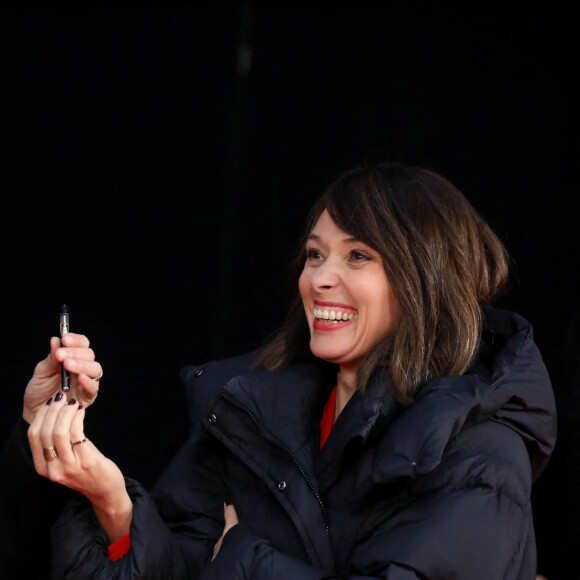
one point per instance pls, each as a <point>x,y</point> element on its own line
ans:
<point>80,445</point>
<point>67,353</point>
<point>217,547</point>
<point>92,369</point>
<point>231,517</point>
<point>34,439</point>
<point>54,346</point>
<point>83,449</point>
<point>47,427</point>
<point>47,366</point>
<point>72,339</point>
<point>86,389</point>
<point>77,429</point>
<point>61,433</point>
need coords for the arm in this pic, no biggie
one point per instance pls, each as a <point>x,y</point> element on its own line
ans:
<point>30,504</point>
<point>462,528</point>
<point>173,530</point>
<point>54,424</point>
<point>468,518</point>
<point>464,533</point>
<point>63,454</point>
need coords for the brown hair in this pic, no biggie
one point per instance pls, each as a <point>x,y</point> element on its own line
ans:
<point>441,258</point>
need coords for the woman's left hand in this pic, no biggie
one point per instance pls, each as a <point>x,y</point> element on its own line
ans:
<point>231,518</point>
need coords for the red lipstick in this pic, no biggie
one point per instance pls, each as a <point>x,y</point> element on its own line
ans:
<point>317,325</point>
<point>334,305</point>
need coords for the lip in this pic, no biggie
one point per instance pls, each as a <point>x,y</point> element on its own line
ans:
<point>325,326</point>
<point>334,304</point>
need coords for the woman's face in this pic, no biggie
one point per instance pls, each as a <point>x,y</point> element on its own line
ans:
<point>349,303</point>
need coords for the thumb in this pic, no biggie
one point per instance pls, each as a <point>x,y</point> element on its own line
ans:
<point>230,516</point>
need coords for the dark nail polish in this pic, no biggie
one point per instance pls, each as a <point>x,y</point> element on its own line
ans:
<point>49,401</point>
<point>58,397</point>
<point>228,502</point>
<point>72,401</point>
<point>80,407</point>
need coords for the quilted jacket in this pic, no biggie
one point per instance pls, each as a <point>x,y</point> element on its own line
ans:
<point>437,490</point>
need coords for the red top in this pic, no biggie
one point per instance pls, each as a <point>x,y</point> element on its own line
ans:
<point>327,420</point>
<point>119,548</point>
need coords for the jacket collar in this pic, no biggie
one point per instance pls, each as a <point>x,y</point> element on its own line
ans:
<point>508,383</point>
<point>286,403</point>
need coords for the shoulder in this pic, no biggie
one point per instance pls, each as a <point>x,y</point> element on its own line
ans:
<point>202,382</point>
<point>489,456</point>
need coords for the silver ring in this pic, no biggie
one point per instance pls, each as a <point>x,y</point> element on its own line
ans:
<point>97,379</point>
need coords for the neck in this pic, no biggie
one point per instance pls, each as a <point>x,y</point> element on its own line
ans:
<point>345,388</point>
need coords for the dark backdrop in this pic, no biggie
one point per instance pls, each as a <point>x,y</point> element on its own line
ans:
<point>157,164</point>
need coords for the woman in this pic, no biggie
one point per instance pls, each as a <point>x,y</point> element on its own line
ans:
<point>391,429</point>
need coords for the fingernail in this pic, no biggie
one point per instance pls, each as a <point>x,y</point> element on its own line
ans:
<point>49,401</point>
<point>72,401</point>
<point>58,397</point>
<point>228,502</point>
<point>80,407</point>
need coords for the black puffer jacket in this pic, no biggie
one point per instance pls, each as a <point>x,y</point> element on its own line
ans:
<point>439,490</point>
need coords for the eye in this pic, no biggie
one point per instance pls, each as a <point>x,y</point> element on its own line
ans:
<point>358,256</point>
<point>313,255</point>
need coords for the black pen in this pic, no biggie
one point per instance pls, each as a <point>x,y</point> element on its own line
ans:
<point>64,325</point>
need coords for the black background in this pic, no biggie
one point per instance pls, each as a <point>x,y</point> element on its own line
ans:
<point>157,164</point>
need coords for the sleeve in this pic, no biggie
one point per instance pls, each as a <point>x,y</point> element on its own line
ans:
<point>173,529</point>
<point>469,518</point>
<point>474,533</point>
<point>452,533</point>
<point>29,505</point>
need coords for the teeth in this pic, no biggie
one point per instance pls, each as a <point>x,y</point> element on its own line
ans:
<point>334,315</point>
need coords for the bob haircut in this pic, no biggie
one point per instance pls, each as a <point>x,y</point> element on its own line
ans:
<point>439,255</point>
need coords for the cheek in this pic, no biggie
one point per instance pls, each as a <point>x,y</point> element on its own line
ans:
<point>303,285</point>
<point>387,308</point>
<point>392,311</point>
<point>304,289</point>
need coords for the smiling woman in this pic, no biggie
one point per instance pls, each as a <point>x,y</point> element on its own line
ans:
<point>391,429</point>
<point>434,260</point>
<point>349,302</point>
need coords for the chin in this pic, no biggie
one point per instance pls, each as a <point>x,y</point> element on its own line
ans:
<point>328,355</point>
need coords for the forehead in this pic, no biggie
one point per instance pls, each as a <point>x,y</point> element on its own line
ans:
<point>326,228</point>
<point>325,231</point>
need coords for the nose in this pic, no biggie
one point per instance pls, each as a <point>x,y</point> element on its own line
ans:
<point>325,277</point>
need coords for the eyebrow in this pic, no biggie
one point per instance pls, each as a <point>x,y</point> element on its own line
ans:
<point>344,241</point>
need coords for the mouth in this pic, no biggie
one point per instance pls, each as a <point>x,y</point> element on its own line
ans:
<point>333,315</point>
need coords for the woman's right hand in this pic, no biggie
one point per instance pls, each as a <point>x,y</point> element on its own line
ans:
<point>79,359</point>
<point>62,453</point>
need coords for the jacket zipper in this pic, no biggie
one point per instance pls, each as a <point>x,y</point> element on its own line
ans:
<point>263,433</point>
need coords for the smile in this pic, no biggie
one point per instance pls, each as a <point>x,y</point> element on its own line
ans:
<point>333,316</point>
